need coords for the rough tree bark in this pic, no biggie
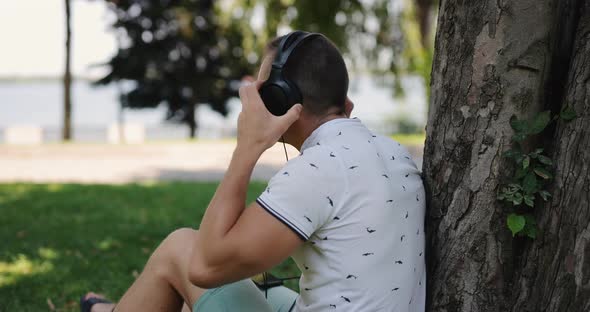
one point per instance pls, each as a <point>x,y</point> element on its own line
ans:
<point>493,60</point>
<point>556,275</point>
<point>67,80</point>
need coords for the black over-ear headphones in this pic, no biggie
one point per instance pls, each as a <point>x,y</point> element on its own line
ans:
<point>279,93</point>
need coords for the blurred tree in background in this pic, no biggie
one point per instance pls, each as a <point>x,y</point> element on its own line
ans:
<point>66,134</point>
<point>176,52</point>
<point>187,52</point>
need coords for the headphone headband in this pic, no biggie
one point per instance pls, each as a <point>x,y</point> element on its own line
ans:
<point>283,55</point>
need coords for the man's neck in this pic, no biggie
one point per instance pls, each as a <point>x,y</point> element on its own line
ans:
<point>307,131</point>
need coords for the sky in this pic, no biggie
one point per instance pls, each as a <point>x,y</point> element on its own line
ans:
<point>32,34</point>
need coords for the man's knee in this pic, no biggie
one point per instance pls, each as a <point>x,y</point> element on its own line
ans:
<point>174,247</point>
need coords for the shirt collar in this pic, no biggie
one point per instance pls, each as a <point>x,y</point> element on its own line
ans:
<point>328,129</point>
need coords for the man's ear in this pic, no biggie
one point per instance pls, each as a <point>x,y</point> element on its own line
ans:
<point>348,107</point>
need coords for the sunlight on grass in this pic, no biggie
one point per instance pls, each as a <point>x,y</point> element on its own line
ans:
<point>22,266</point>
<point>410,139</point>
<point>108,243</point>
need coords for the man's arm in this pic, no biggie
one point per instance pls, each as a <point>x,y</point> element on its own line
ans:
<point>235,242</point>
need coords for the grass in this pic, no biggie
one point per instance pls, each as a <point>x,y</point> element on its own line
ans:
<point>410,139</point>
<point>58,241</point>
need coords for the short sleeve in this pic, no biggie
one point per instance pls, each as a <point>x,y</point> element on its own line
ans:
<point>305,192</point>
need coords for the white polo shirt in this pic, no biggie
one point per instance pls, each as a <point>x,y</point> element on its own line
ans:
<point>357,200</point>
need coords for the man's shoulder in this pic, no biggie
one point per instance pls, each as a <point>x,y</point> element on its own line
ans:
<point>316,160</point>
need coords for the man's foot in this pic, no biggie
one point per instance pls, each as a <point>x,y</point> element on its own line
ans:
<point>99,306</point>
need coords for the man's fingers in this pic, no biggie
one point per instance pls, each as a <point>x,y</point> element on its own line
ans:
<point>292,115</point>
<point>253,95</point>
<point>242,91</point>
<point>258,84</point>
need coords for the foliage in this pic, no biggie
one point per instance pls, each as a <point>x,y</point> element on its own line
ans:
<point>410,139</point>
<point>60,241</point>
<point>186,52</point>
<point>177,52</point>
<point>380,37</point>
<point>406,124</point>
<point>533,172</point>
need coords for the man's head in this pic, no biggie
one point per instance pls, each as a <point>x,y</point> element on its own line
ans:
<point>317,68</point>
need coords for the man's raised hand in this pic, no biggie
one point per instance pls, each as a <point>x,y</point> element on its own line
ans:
<point>259,129</point>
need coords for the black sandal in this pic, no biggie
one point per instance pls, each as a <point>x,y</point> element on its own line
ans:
<point>86,304</point>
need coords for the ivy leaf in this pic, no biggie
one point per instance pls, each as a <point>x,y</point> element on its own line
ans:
<point>526,162</point>
<point>529,200</point>
<point>512,154</point>
<point>519,137</point>
<point>545,160</point>
<point>515,223</point>
<point>520,173</point>
<point>540,122</point>
<point>567,114</point>
<point>531,232</point>
<point>517,199</point>
<point>530,228</point>
<point>519,126</point>
<point>545,195</point>
<point>543,173</point>
<point>529,184</point>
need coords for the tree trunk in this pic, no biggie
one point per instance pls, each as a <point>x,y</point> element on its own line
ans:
<point>191,121</point>
<point>425,21</point>
<point>67,80</point>
<point>494,60</point>
<point>556,275</point>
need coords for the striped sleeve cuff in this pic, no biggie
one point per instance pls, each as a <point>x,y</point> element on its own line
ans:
<point>281,218</point>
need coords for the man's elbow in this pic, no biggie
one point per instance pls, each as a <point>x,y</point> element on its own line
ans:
<point>203,277</point>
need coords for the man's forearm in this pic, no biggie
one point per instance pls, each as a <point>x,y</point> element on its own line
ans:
<point>227,204</point>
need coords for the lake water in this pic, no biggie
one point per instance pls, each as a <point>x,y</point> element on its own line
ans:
<point>95,108</point>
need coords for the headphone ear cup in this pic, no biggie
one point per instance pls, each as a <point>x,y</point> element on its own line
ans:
<point>275,98</point>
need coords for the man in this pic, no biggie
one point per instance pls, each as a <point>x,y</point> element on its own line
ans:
<point>349,210</point>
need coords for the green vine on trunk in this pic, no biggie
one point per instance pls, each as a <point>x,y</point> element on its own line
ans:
<point>534,170</point>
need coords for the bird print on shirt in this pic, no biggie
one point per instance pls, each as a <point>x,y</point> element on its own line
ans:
<point>313,165</point>
<point>336,218</point>
<point>285,173</point>
<point>368,254</point>
<point>352,167</point>
<point>346,148</point>
<point>386,176</point>
<point>345,299</point>
<point>333,306</point>
<point>330,201</point>
<point>370,230</point>
<point>351,276</point>
<point>402,238</point>
<point>398,262</point>
<point>308,219</point>
<point>396,288</point>
<point>332,154</point>
<point>392,157</point>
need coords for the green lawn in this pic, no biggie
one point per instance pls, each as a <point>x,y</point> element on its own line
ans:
<point>58,241</point>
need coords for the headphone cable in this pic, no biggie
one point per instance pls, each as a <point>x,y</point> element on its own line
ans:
<point>285,147</point>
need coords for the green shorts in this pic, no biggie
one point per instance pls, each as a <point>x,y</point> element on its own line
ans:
<point>244,296</point>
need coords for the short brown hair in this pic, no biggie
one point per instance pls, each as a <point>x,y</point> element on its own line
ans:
<point>319,71</point>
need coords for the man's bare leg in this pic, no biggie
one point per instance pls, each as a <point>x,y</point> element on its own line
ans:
<point>163,285</point>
